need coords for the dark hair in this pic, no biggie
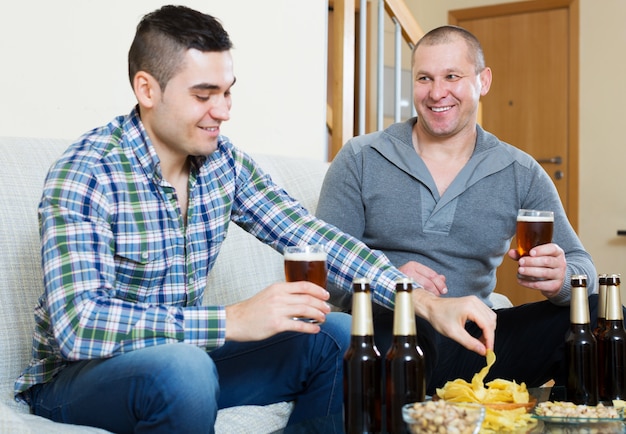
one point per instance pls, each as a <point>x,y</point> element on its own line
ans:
<point>446,34</point>
<point>163,37</point>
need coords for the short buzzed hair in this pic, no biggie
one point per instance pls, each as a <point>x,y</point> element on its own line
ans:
<point>163,37</point>
<point>444,34</point>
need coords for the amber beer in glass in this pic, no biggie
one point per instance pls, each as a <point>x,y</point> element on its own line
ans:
<point>306,263</point>
<point>534,228</point>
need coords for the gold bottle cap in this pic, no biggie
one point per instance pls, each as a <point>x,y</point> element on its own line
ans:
<point>613,279</point>
<point>579,280</point>
<point>361,284</point>
<point>404,283</point>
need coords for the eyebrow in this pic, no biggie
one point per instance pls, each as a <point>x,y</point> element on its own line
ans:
<point>446,72</point>
<point>209,86</point>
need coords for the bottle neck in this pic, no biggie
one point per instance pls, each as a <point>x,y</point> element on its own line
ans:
<point>362,323</point>
<point>613,304</point>
<point>602,296</point>
<point>579,306</point>
<point>404,315</point>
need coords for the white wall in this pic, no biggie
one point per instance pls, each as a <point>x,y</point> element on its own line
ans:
<point>602,138</point>
<point>64,69</point>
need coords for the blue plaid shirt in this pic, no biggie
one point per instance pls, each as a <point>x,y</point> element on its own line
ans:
<point>121,269</point>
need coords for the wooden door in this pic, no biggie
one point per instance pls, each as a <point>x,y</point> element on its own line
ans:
<point>532,49</point>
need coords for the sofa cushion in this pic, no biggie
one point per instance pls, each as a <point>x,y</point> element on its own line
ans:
<point>16,423</point>
<point>22,171</point>
<point>253,419</point>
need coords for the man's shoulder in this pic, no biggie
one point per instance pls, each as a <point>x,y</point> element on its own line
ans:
<point>397,134</point>
<point>101,146</point>
<point>488,142</point>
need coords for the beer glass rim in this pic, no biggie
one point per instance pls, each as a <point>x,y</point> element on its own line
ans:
<point>536,213</point>
<point>306,248</point>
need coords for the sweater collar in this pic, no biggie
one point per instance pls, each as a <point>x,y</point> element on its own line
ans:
<point>490,156</point>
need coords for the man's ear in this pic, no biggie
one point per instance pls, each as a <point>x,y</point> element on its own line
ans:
<point>146,89</point>
<point>485,81</point>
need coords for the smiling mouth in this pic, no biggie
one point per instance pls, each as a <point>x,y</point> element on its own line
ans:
<point>210,129</point>
<point>440,109</point>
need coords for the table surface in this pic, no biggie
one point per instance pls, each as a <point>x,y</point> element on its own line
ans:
<point>333,424</point>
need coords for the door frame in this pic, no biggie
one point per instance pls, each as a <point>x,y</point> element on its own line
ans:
<point>573,7</point>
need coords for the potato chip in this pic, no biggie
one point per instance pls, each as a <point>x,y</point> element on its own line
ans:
<point>506,401</point>
<point>497,421</point>
<point>619,403</point>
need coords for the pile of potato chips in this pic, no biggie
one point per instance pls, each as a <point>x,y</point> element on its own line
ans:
<point>500,398</point>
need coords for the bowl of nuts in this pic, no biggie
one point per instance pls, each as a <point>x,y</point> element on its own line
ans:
<point>443,417</point>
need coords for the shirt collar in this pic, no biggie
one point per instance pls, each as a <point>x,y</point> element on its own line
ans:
<point>138,142</point>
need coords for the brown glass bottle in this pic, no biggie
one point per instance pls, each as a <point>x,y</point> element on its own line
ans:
<point>613,343</point>
<point>362,368</point>
<point>597,333</point>
<point>404,362</point>
<point>581,348</point>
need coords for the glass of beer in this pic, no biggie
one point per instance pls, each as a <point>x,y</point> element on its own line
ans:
<point>306,263</point>
<point>534,228</point>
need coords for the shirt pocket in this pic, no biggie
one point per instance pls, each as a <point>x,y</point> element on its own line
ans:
<point>143,264</point>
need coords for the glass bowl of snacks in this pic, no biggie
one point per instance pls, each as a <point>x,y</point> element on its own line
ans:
<point>435,416</point>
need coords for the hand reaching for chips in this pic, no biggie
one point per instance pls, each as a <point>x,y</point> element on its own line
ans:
<point>506,402</point>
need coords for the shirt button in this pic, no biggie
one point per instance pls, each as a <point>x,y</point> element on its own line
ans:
<point>145,255</point>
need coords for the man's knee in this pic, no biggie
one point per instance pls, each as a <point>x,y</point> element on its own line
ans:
<point>186,368</point>
<point>337,326</point>
<point>182,383</point>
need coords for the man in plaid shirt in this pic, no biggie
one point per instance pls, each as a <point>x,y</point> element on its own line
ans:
<point>132,218</point>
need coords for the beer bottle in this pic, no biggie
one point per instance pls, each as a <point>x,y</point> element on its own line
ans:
<point>362,368</point>
<point>581,348</point>
<point>404,362</point>
<point>614,342</point>
<point>597,333</point>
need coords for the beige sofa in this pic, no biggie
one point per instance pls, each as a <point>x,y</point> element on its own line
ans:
<point>23,165</point>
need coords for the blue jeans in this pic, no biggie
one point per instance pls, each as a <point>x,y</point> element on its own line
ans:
<point>179,387</point>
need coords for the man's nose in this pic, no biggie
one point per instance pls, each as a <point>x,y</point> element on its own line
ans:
<point>221,110</point>
<point>438,89</point>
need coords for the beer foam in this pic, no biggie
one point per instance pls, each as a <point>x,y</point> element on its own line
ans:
<point>535,218</point>
<point>305,256</point>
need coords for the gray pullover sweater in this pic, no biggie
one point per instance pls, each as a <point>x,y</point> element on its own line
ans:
<point>379,190</point>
